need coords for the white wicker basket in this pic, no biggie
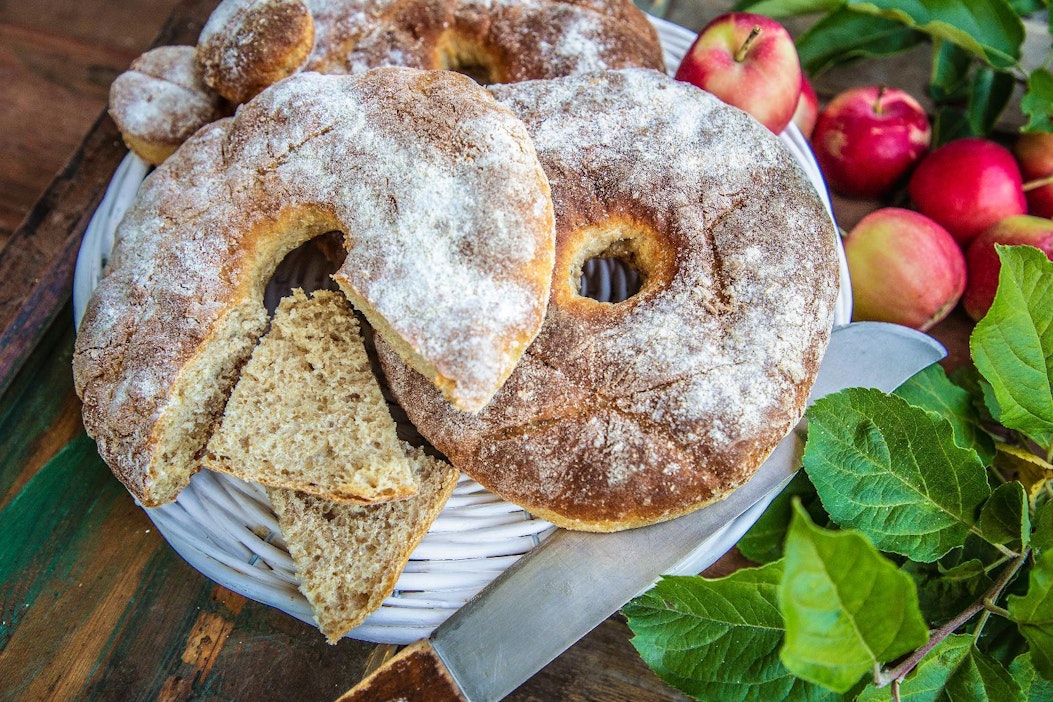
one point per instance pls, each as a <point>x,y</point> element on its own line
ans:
<point>227,530</point>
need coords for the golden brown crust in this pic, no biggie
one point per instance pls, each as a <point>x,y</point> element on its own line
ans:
<point>180,308</point>
<point>503,42</point>
<point>624,414</point>
<point>161,100</point>
<point>249,44</point>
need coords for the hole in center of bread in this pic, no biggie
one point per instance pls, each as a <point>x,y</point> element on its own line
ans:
<point>467,57</point>
<point>613,261</point>
<point>309,266</point>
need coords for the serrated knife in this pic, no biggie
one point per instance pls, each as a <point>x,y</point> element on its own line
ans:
<point>573,581</point>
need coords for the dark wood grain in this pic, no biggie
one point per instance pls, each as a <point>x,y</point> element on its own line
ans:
<point>36,260</point>
<point>416,674</point>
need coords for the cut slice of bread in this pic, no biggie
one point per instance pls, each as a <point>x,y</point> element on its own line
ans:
<point>349,557</point>
<point>307,413</point>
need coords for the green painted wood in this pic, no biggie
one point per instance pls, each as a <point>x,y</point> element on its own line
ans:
<point>44,525</point>
<point>37,396</point>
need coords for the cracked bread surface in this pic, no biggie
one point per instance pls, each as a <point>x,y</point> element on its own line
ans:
<point>307,413</point>
<point>623,414</point>
<point>349,557</point>
<point>448,236</point>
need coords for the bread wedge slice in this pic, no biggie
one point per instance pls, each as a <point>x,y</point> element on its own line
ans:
<point>307,413</point>
<point>349,557</point>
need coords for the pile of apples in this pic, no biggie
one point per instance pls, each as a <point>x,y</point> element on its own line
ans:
<point>908,266</point>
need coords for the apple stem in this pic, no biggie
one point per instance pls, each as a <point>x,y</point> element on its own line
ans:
<point>878,108</point>
<point>1038,183</point>
<point>740,55</point>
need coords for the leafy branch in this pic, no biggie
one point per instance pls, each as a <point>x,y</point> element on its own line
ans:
<point>896,675</point>
<point>914,553</point>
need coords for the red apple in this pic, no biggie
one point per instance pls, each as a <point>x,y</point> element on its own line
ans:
<point>967,185</point>
<point>982,262</point>
<point>748,61</point>
<point>1034,153</point>
<point>807,111</point>
<point>867,139</point>
<point>905,268</point>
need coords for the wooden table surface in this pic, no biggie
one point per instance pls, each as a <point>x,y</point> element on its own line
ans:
<point>93,602</point>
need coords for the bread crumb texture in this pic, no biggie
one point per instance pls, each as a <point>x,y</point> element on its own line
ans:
<point>308,414</point>
<point>349,557</point>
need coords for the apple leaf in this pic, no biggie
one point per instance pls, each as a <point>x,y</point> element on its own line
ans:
<point>1035,687</point>
<point>950,72</point>
<point>931,389</point>
<point>1037,102</point>
<point>1012,345</point>
<point>1042,536</point>
<point>989,29</point>
<point>990,95</point>
<point>954,670</point>
<point>969,379</point>
<point>1005,518</point>
<point>1033,614</point>
<point>786,8</point>
<point>944,592</point>
<point>847,608</point>
<point>763,542</point>
<point>893,471</point>
<point>844,36</point>
<point>1027,7</point>
<point>718,639</point>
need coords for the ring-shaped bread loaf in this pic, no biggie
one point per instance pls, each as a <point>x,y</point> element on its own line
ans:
<point>622,414</point>
<point>248,44</point>
<point>448,229</point>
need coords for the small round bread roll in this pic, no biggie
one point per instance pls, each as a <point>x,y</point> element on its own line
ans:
<point>161,100</point>
<point>247,45</point>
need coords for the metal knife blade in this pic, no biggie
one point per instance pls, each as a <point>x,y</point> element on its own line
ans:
<point>571,583</point>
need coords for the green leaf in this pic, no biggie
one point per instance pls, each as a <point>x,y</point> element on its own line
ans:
<point>949,123</point>
<point>1033,614</point>
<point>1026,7</point>
<point>970,380</point>
<point>987,28</point>
<point>1005,518</point>
<point>845,36</point>
<point>893,471</point>
<point>950,72</point>
<point>763,542</point>
<point>1013,345</point>
<point>1035,687</point>
<point>718,639</point>
<point>786,8</point>
<point>990,401</point>
<point>847,608</point>
<point>1037,102</point>
<point>990,95</point>
<point>944,592</point>
<point>954,670</point>
<point>931,389</point>
<point>1042,537</point>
